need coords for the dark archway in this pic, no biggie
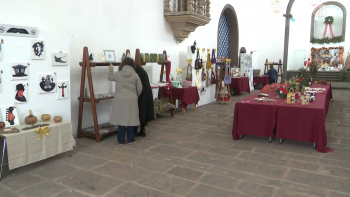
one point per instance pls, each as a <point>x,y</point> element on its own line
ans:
<point>232,22</point>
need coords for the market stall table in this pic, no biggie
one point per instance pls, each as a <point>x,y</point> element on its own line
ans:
<point>255,118</point>
<point>305,123</point>
<point>262,79</point>
<point>24,148</point>
<point>241,84</point>
<point>187,96</point>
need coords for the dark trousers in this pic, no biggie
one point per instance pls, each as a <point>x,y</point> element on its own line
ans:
<point>272,81</point>
<point>142,129</point>
<point>121,134</point>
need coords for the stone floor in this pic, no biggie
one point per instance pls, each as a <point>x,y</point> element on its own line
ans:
<point>194,155</point>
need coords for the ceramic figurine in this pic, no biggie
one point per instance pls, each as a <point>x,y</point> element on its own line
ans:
<point>57,119</point>
<point>45,117</point>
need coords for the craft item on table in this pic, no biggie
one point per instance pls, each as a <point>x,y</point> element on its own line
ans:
<point>186,84</point>
<point>142,57</point>
<point>213,78</point>
<point>203,90</point>
<point>258,99</point>
<point>20,94</point>
<point>198,84</point>
<point>59,59</point>
<point>110,55</point>
<point>270,100</point>
<point>176,84</point>
<point>312,98</point>
<point>208,80</point>
<point>35,126</point>
<point>297,96</point>
<point>204,75</point>
<point>19,71</point>
<point>323,89</point>
<point>227,78</point>
<point>2,125</point>
<point>57,119</point>
<point>147,57</point>
<point>91,57</point>
<point>189,70</point>
<point>101,57</point>
<point>41,131</point>
<point>291,96</point>
<point>153,57</point>
<point>263,95</point>
<point>128,55</point>
<point>123,56</point>
<point>312,93</point>
<point>63,94</point>
<point>305,100</point>
<point>208,60</point>
<point>204,58</point>
<point>198,63</point>
<point>8,130</point>
<point>10,116</point>
<point>47,83</point>
<point>31,119</point>
<point>45,117</point>
<point>213,59</point>
<point>38,49</point>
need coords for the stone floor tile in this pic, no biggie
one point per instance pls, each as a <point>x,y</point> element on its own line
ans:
<point>302,158</point>
<point>317,180</point>
<point>94,151</point>
<point>334,171</point>
<point>219,181</point>
<point>142,145</point>
<point>211,159</point>
<point>209,191</point>
<point>122,171</point>
<point>132,189</point>
<point>193,146</point>
<point>6,192</point>
<point>151,164</point>
<point>335,163</point>
<point>55,170</point>
<point>263,159</point>
<point>224,151</point>
<point>171,151</point>
<point>338,194</point>
<point>129,151</point>
<point>255,189</point>
<point>270,170</point>
<point>84,161</point>
<point>288,193</point>
<point>90,182</point>
<point>43,189</point>
<point>304,166</point>
<point>164,140</point>
<point>123,158</point>
<point>185,173</point>
<point>21,182</point>
<point>265,151</point>
<point>70,193</point>
<point>167,183</point>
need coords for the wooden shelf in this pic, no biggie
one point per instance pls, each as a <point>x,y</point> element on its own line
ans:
<point>88,100</point>
<point>164,110</point>
<point>94,64</point>
<point>110,128</point>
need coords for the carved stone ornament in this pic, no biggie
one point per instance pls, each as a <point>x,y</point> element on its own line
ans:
<point>186,17</point>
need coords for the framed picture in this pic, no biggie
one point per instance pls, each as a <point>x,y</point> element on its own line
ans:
<point>59,59</point>
<point>19,71</point>
<point>63,90</point>
<point>47,83</point>
<point>10,116</point>
<point>0,81</point>
<point>20,93</point>
<point>110,56</point>
<point>37,48</point>
<point>1,49</point>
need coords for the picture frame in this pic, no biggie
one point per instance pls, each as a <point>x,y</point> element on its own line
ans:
<point>1,48</point>
<point>47,83</point>
<point>62,89</point>
<point>59,59</point>
<point>110,55</point>
<point>37,49</point>
<point>306,100</point>
<point>10,116</point>
<point>20,93</point>
<point>19,71</point>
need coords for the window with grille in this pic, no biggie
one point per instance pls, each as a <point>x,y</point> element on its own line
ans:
<point>223,37</point>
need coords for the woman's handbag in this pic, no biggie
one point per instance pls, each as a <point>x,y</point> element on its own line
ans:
<point>213,59</point>
<point>198,64</point>
<point>189,73</point>
<point>208,62</point>
<point>227,78</point>
<point>208,80</point>
<point>204,75</point>
<point>213,79</point>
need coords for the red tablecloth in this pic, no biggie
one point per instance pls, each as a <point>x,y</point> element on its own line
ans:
<point>305,123</point>
<point>263,79</point>
<point>186,95</point>
<point>255,118</point>
<point>241,84</point>
<point>164,91</point>
<point>292,121</point>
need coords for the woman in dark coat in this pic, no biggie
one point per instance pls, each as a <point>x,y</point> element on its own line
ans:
<point>146,109</point>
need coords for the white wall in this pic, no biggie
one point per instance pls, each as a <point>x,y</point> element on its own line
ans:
<point>131,24</point>
<point>17,49</point>
<point>300,32</point>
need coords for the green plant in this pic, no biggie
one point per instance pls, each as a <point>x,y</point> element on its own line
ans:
<point>329,19</point>
<point>302,72</point>
<point>314,66</point>
<point>327,40</point>
<point>342,74</point>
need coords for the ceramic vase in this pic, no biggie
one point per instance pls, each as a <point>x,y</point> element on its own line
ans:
<point>45,117</point>
<point>57,119</point>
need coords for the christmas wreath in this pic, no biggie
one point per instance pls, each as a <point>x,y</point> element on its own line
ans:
<point>329,19</point>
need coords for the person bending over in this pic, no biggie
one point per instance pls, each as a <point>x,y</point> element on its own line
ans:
<point>272,74</point>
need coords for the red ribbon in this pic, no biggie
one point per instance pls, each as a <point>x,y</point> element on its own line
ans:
<point>330,29</point>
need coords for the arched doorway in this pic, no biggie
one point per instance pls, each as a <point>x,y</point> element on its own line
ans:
<point>228,35</point>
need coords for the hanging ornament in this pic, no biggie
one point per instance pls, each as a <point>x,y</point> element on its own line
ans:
<point>313,2</point>
<point>276,6</point>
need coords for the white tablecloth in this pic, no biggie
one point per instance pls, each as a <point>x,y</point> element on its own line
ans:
<point>23,148</point>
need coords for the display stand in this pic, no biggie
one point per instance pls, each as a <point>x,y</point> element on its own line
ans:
<point>279,71</point>
<point>221,94</point>
<point>86,69</point>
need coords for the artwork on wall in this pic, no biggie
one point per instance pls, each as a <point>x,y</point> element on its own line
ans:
<point>59,59</point>
<point>325,57</point>
<point>47,83</point>
<point>0,50</point>
<point>110,56</point>
<point>19,71</point>
<point>21,92</point>
<point>21,31</point>
<point>63,90</point>
<point>37,49</point>
<point>10,116</point>
<point>0,81</point>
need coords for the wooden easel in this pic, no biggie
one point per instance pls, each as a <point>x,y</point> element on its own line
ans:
<point>86,69</point>
<point>221,94</point>
<point>279,71</point>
